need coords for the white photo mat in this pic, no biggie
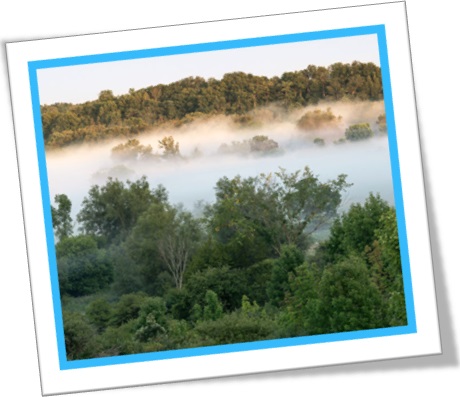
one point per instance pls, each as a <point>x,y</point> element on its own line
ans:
<point>385,22</point>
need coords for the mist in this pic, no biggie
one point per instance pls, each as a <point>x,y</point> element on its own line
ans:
<point>190,178</point>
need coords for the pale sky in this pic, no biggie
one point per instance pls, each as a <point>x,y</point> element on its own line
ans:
<point>77,84</point>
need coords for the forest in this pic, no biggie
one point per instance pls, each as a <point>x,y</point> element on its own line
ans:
<point>270,255</point>
<point>192,98</point>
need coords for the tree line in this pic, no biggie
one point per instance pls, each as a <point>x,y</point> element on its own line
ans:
<point>140,274</point>
<point>194,98</point>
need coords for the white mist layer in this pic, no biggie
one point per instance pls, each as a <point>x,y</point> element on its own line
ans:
<point>192,179</point>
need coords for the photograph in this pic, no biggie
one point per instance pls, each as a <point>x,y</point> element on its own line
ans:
<point>221,198</point>
<point>220,194</point>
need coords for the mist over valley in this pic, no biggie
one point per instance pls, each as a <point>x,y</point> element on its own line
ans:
<point>190,177</point>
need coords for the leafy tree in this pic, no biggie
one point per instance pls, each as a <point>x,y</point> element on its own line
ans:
<point>254,217</point>
<point>128,308</point>
<point>80,337</point>
<point>348,300</point>
<point>152,319</point>
<point>116,341</point>
<point>164,238</point>
<point>291,257</point>
<point>110,211</point>
<point>178,243</point>
<point>99,312</point>
<point>169,146</point>
<point>131,150</point>
<point>386,272</point>
<point>341,298</point>
<point>83,268</point>
<point>62,221</point>
<point>229,284</point>
<point>318,119</point>
<point>263,144</point>
<point>213,308</point>
<point>191,98</point>
<point>358,132</point>
<point>302,309</point>
<point>355,230</point>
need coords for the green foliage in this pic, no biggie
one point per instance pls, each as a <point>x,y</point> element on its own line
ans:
<point>127,308</point>
<point>257,277</point>
<point>151,320</point>
<point>291,257</point>
<point>302,302</point>
<point>235,328</point>
<point>163,239</point>
<point>358,132</point>
<point>386,271</point>
<point>80,337</point>
<point>82,268</point>
<point>349,301</point>
<point>253,217</point>
<point>355,230</point>
<point>193,98</point>
<point>99,312</point>
<point>247,272</point>
<point>112,210</point>
<point>212,306</point>
<point>62,221</point>
<point>116,341</point>
<point>229,284</point>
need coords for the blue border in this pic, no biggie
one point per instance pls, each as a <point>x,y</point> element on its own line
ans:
<point>379,30</point>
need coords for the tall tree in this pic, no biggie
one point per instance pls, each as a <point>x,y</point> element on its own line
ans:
<point>110,211</point>
<point>254,217</point>
<point>62,221</point>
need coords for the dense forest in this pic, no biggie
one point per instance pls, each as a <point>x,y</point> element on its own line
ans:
<point>270,255</point>
<point>181,102</point>
<point>142,275</point>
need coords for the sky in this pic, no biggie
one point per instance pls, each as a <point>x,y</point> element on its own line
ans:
<point>78,84</point>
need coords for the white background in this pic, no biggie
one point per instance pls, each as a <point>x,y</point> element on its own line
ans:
<point>432,28</point>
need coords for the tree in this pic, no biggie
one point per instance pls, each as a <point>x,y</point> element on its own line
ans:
<point>83,268</point>
<point>355,231</point>
<point>386,271</point>
<point>341,298</point>
<point>348,300</point>
<point>80,337</point>
<point>99,312</point>
<point>358,132</point>
<point>382,123</point>
<point>110,211</point>
<point>318,120</point>
<point>152,319</point>
<point>213,308</point>
<point>291,257</point>
<point>62,221</point>
<point>254,217</point>
<point>178,243</point>
<point>169,146</point>
<point>131,150</point>
<point>164,238</point>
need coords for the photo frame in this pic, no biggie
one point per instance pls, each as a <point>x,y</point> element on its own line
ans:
<point>386,24</point>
